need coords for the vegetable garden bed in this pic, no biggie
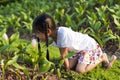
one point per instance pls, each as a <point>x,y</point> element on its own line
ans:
<point>19,60</point>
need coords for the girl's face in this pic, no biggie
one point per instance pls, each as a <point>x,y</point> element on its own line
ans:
<point>41,36</point>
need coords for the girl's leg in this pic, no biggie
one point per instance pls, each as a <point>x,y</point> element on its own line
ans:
<point>108,63</point>
<point>83,68</point>
<point>72,62</point>
<point>112,60</point>
<point>105,60</point>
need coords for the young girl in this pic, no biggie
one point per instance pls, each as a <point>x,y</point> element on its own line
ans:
<point>88,53</point>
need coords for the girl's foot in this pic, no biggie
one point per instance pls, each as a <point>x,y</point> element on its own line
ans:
<point>105,62</point>
<point>112,60</point>
<point>110,63</point>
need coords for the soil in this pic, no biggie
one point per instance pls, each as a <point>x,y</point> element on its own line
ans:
<point>9,75</point>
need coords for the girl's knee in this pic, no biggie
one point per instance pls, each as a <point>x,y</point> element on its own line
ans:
<point>72,63</point>
<point>80,70</point>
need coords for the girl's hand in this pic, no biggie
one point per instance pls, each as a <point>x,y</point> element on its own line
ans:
<point>67,69</point>
<point>64,52</point>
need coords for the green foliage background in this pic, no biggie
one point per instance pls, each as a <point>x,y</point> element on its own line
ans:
<point>98,18</point>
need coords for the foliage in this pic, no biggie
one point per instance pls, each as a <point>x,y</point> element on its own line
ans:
<point>98,18</point>
<point>92,17</point>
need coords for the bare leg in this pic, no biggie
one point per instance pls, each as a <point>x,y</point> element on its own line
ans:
<point>105,60</point>
<point>112,60</point>
<point>107,63</point>
<point>83,68</point>
<point>72,62</point>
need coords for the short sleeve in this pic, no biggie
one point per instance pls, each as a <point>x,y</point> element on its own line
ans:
<point>63,39</point>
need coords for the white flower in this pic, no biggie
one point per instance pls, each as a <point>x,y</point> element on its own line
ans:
<point>34,43</point>
<point>2,62</point>
<point>5,36</point>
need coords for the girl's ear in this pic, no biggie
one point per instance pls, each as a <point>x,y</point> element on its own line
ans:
<point>49,32</point>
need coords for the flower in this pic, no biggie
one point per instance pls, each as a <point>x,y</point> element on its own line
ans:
<point>5,37</point>
<point>34,43</point>
<point>2,62</point>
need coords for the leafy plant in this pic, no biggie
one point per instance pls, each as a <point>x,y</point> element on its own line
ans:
<point>100,19</point>
<point>11,50</point>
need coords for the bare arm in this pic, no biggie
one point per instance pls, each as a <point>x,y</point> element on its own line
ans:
<point>64,52</point>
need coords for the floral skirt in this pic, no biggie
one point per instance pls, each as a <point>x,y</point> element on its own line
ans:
<point>90,56</point>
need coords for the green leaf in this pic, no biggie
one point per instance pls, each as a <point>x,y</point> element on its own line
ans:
<point>109,38</point>
<point>16,73</point>
<point>98,39</point>
<point>82,21</point>
<point>58,73</point>
<point>24,15</point>
<point>61,62</point>
<point>3,48</point>
<point>2,32</point>
<point>97,26</point>
<point>70,54</point>
<point>14,37</point>
<point>11,61</point>
<point>116,21</point>
<point>15,44</point>
<point>22,68</point>
<point>68,18</point>
<point>44,65</point>
<point>118,37</point>
<point>111,10</point>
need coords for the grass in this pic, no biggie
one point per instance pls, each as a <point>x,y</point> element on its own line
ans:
<point>96,74</point>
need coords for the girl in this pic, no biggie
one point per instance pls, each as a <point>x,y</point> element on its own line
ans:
<point>88,52</point>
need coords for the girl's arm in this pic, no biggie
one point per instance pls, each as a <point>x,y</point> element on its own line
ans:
<point>64,52</point>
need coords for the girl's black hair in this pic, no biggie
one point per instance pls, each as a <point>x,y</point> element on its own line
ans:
<point>41,24</point>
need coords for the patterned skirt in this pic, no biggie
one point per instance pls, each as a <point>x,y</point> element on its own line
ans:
<point>90,56</point>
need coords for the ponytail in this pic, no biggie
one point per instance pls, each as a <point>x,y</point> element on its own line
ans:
<point>46,36</point>
<point>39,48</point>
<point>41,24</point>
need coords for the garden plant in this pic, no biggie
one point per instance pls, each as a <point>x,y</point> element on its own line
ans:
<point>23,57</point>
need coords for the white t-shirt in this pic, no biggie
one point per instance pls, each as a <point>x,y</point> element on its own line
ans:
<point>75,41</point>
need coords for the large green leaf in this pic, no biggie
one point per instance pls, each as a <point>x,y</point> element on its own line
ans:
<point>44,65</point>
